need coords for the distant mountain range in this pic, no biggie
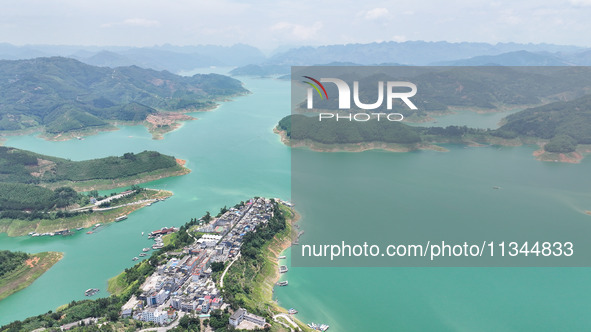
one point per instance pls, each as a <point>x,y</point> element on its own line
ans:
<point>166,57</point>
<point>422,54</point>
<point>408,53</point>
<point>517,58</point>
<point>251,61</point>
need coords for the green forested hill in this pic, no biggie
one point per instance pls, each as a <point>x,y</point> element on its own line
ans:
<point>301,127</point>
<point>32,183</point>
<point>64,94</point>
<point>565,124</point>
<point>28,167</point>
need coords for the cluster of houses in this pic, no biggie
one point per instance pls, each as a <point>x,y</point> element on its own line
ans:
<point>184,282</point>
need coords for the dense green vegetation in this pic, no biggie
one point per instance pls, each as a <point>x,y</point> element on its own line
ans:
<point>64,94</point>
<point>9,261</point>
<point>17,165</point>
<point>111,167</point>
<point>565,124</point>
<point>74,311</point>
<point>300,127</point>
<point>23,175</point>
<point>187,323</point>
<point>27,201</point>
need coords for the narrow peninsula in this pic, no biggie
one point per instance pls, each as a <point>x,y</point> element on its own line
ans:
<point>18,270</point>
<point>43,195</point>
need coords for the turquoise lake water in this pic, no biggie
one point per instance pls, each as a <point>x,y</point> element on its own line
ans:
<point>233,155</point>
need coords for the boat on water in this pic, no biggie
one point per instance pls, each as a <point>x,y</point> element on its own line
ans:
<point>146,249</point>
<point>91,291</point>
<point>89,232</point>
<point>318,327</point>
<point>292,311</point>
<point>283,269</point>
<point>281,257</point>
<point>118,219</point>
<point>96,226</point>
<point>143,254</point>
<point>496,187</point>
<point>79,228</point>
<point>134,259</point>
<point>142,233</point>
<point>283,283</point>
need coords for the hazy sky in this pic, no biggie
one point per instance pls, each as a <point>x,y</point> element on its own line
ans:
<point>268,24</point>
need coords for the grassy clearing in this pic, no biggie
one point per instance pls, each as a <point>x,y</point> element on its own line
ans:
<point>25,275</point>
<point>126,281</point>
<point>117,284</point>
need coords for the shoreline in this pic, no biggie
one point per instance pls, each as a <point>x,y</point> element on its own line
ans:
<point>284,244</point>
<point>23,277</point>
<point>356,147</point>
<point>18,227</point>
<point>540,154</point>
<point>274,250</point>
<point>172,120</point>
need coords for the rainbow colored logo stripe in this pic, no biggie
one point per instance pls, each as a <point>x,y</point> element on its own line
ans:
<point>316,87</point>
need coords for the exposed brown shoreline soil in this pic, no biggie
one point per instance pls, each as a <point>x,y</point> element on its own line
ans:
<point>157,124</point>
<point>32,269</point>
<point>540,154</point>
<point>358,147</point>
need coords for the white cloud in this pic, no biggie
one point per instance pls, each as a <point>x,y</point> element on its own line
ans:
<point>376,13</point>
<point>298,31</point>
<point>134,22</point>
<point>190,22</point>
<point>581,3</point>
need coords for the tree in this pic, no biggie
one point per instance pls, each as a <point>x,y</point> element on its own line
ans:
<point>207,217</point>
<point>217,266</point>
<point>184,321</point>
<point>189,323</point>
